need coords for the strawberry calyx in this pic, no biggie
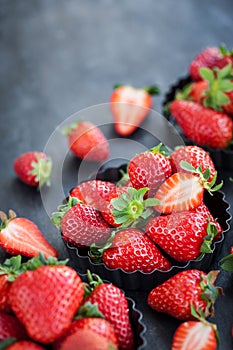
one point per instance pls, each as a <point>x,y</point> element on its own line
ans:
<point>68,129</point>
<point>210,292</point>
<point>88,310</point>
<point>151,90</point>
<point>95,253</point>
<point>224,51</point>
<point>227,263</point>
<point>62,209</point>
<point>161,149</point>
<point>203,176</point>
<point>124,178</point>
<point>211,231</point>
<point>93,280</point>
<point>41,169</point>
<point>130,207</point>
<point>6,219</point>
<point>4,344</point>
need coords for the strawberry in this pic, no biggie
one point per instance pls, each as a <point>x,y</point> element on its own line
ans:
<point>187,288</point>
<point>98,326</point>
<point>4,290</point>
<point>113,305</point>
<point>21,236</point>
<point>132,250</point>
<point>25,345</point>
<point>195,155</point>
<point>195,335</point>
<point>203,125</point>
<point>209,58</point>
<point>81,224</point>
<point>130,106</point>
<point>10,327</point>
<point>46,312</point>
<point>33,168</point>
<point>87,141</point>
<point>184,235</point>
<point>149,169</point>
<point>184,191</point>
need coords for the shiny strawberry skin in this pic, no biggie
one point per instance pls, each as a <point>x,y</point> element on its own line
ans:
<point>88,142</point>
<point>181,191</point>
<point>25,345</point>
<point>129,107</point>
<point>175,295</point>
<point>203,125</point>
<point>10,327</point>
<point>22,236</point>
<point>45,300</point>
<point>194,155</point>
<point>180,234</point>
<point>113,304</point>
<point>4,291</point>
<point>149,169</point>
<point>192,335</point>
<point>83,225</point>
<point>132,250</point>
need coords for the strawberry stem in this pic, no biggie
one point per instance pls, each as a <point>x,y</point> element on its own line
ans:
<point>208,240</point>
<point>152,90</point>
<point>88,310</point>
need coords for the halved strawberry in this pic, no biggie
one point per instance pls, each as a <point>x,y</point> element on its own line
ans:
<point>21,236</point>
<point>130,106</point>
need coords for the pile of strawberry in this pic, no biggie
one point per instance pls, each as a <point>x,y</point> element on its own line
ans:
<point>204,108</point>
<point>44,304</point>
<point>155,218</point>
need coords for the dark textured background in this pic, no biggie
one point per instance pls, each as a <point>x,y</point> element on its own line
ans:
<point>57,57</point>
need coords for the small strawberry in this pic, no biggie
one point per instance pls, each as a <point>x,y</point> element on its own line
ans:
<point>150,169</point>
<point>185,191</point>
<point>113,305</point>
<point>131,250</point>
<point>187,288</point>
<point>130,106</point>
<point>24,345</point>
<point>97,325</point>
<point>81,224</point>
<point>46,312</point>
<point>87,141</point>
<point>194,155</point>
<point>209,58</point>
<point>21,236</point>
<point>183,235</point>
<point>33,168</point>
<point>11,327</point>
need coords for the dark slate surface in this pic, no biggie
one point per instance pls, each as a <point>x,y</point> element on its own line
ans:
<point>58,57</point>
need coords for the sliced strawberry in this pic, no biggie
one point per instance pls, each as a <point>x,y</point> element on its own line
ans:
<point>130,106</point>
<point>22,236</point>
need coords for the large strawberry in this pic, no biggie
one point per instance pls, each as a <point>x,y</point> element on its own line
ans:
<point>184,235</point>
<point>45,300</point>
<point>185,191</point>
<point>187,288</point>
<point>113,305</point>
<point>21,236</point>
<point>194,155</point>
<point>87,141</point>
<point>132,250</point>
<point>81,224</point>
<point>33,168</point>
<point>149,169</point>
<point>203,125</point>
<point>10,327</point>
<point>209,57</point>
<point>97,325</point>
<point>130,106</point>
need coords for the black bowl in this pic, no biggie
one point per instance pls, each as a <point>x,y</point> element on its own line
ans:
<point>139,280</point>
<point>222,158</point>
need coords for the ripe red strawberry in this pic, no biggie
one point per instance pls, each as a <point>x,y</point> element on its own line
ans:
<point>203,125</point>
<point>33,168</point>
<point>98,326</point>
<point>4,291</point>
<point>209,57</point>
<point>184,235</point>
<point>87,141</point>
<point>21,236</point>
<point>112,303</point>
<point>149,169</point>
<point>10,327</point>
<point>191,287</point>
<point>132,250</point>
<point>194,155</point>
<point>195,335</point>
<point>25,345</point>
<point>130,106</point>
<point>45,300</point>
